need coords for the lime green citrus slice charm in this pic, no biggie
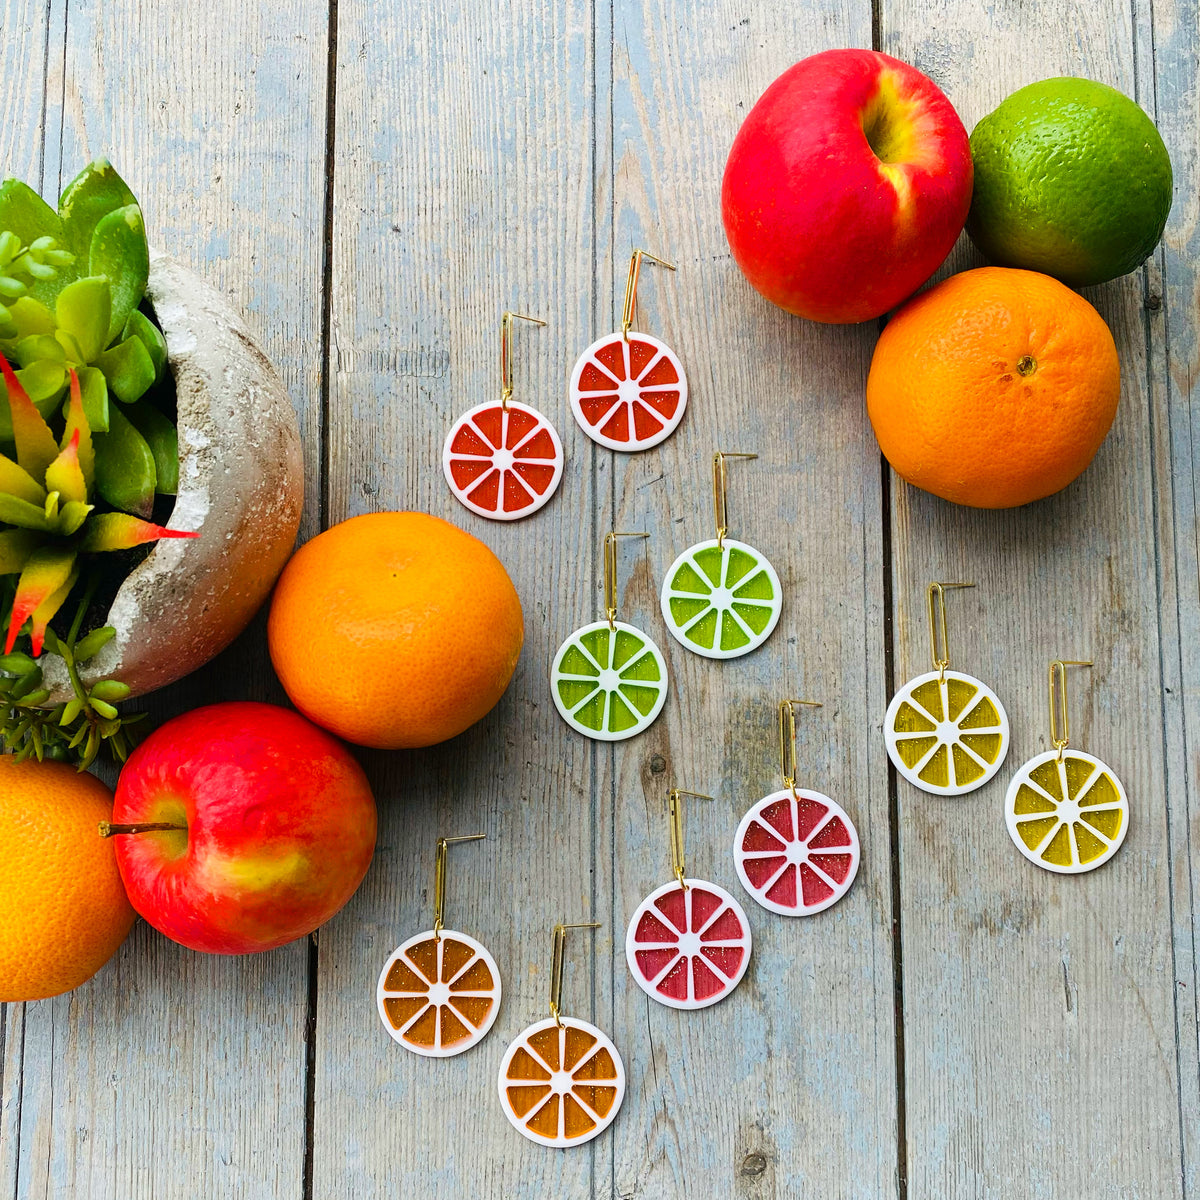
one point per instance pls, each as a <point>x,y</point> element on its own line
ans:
<point>721,599</point>
<point>609,682</point>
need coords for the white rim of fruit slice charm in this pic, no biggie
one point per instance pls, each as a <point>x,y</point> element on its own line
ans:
<point>1068,815</point>
<point>946,732</point>
<point>1066,811</point>
<point>503,460</point>
<point>688,943</point>
<point>629,390</point>
<point>608,679</point>
<point>721,598</point>
<point>562,1080</point>
<point>439,993</point>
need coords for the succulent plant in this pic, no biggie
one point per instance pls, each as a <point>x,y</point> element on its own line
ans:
<point>71,283</point>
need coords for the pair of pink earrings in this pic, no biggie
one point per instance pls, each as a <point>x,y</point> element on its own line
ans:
<point>504,460</point>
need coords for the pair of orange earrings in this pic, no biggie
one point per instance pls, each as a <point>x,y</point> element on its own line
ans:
<point>947,733</point>
<point>561,1081</point>
<point>628,391</point>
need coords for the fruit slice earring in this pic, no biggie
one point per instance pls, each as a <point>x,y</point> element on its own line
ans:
<point>721,598</point>
<point>688,943</point>
<point>562,1081</point>
<point>1066,811</point>
<point>608,679</point>
<point>439,992</point>
<point>503,461</point>
<point>628,390</point>
<point>946,732</point>
<point>796,851</point>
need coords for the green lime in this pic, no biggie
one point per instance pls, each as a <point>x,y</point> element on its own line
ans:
<point>1072,179</point>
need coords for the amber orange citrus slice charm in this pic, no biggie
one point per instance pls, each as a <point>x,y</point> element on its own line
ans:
<point>628,393</point>
<point>1068,814</point>
<point>688,948</point>
<point>439,994</point>
<point>503,462</point>
<point>796,853</point>
<point>561,1084</point>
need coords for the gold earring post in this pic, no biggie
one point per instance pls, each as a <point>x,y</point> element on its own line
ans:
<point>720,484</point>
<point>631,284</point>
<point>675,811</point>
<point>610,573</point>
<point>787,740</point>
<point>556,964</point>
<point>1060,726</point>
<point>506,379</point>
<point>935,597</point>
<point>439,877</point>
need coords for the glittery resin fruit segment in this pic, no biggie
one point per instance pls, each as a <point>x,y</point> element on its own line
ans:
<point>797,854</point>
<point>846,186</point>
<point>688,948</point>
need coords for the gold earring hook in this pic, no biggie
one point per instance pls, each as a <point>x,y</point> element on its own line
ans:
<point>556,964</point>
<point>935,597</point>
<point>439,877</point>
<point>506,381</point>
<point>1060,726</point>
<point>787,740</point>
<point>720,491</point>
<point>631,284</point>
<point>675,810</point>
<point>610,573</point>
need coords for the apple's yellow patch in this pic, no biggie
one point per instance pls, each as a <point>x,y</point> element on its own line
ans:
<point>255,873</point>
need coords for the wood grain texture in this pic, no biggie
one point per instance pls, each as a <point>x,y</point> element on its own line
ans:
<point>1039,1012</point>
<point>174,1074</point>
<point>788,1086</point>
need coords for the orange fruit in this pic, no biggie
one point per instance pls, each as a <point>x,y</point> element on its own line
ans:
<point>395,630</point>
<point>63,908</point>
<point>994,388</point>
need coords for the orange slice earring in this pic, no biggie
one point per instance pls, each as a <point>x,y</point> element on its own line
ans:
<point>628,390</point>
<point>562,1081</point>
<point>503,460</point>
<point>439,993</point>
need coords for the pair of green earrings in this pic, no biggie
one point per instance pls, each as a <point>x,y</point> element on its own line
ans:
<point>720,598</point>
<point>947,733</point>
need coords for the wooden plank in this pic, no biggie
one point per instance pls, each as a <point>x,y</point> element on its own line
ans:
<point>1039,1012</point>
<point>172,1073</point>
<point>787,1087</point>
<point>463,186</point>
<point>1168,40</point>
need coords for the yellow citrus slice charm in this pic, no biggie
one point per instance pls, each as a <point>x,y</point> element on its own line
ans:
<point>1068,814</point>
<point>946,732</point>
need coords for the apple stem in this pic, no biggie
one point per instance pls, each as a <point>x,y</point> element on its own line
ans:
<point>108,829</point>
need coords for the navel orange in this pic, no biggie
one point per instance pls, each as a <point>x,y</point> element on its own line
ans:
<point>395,630</point>
<point>63,908</point>
<point>994,388</point>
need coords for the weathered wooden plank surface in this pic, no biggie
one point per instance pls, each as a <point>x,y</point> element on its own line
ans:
<point>1039,1013</point>
<point>172,1073</point>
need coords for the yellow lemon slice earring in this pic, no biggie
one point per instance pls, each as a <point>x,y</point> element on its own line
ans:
<point>946,732</point>
<point>1066,811</point>
<point>439,993</point>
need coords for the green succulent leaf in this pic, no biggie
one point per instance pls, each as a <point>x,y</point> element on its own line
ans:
<point>163,440</point>
<point>94,193</point>
<point>31,317</point>
<point>65,476</point>
<point>84,310</point>
<point>119,251</point>
<point>91,645</point>
<point>44,383</point>
<point>17,664</point>
<point>71,348</point>
<point>41,589</point>
<point>26,214</point>
<point>70,712</point>
<point>36,447</point>
<point>26,684</point>
<point>111,690</point>
<point>16,545</point>
<point>125,472</point>
<point>94,393</point>
<point>48,608</point>
<point>70,520</point>
<point>104,708</point>
<point>16,481</point>
<point>36,347</point>
<point>141,327</point>
<point>128,368</point>
<point>24,515</point>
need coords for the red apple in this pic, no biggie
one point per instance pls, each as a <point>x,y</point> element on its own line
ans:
<point>240,827</point>
<point>847,185</point>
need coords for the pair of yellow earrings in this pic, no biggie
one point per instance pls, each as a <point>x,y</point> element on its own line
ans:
<point>947,733</point>
<point>561,1080</point>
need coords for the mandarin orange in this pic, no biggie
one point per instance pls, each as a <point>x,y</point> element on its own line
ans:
<point>63,908</point>
<point>395,630</point>
<point>994,388</point>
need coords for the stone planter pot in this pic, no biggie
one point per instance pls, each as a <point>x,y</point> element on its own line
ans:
<point>241,486</point>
